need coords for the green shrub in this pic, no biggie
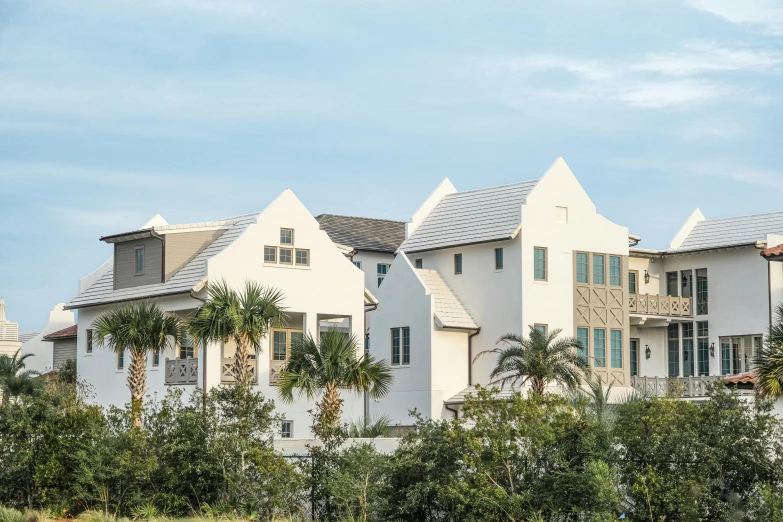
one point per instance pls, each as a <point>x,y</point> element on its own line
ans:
<point>10,515</point>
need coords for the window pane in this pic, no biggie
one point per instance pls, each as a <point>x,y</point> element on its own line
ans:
<point>358,264</point>
<point>186,348</point>
<point>582,336</point>
<point>539,264</point>
<point>296,337</point>
<point>120,360</point>
<point>155,358</point>
<point>382,268</point>
<point>634,357</point>
<point>703,347</point>
<point>631,282</point>
<point>286,431</point>
<point>270,254</point>
<point>599,347</point>
<point>686,283</point>
<point>395,346</point>
<point>617,348</point>
<point>302,257</point>
<point>419,263</point>
<point>498,259</point>
<point>581,267</point>
<point>140,260</point>
<point>736,359</point>
<point>673,335</point>
<point>380,280</point>
<point>541,328</point>
<point>688,364</point>
<point>457,263</point>
<point>278,346</point>
<point>672,285</point>
<point>615,271</point>
<point>89,341</point>
<point>286,236</point>
<point>725,356</point>
<point>701,292</point>
<point>599,270</point>
<point>285,255</point>
<point>406,345</point>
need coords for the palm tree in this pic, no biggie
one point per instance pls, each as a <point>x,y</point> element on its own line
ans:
<point>538,359</point>
<point>15,381</point>
<point>244,318</point>
<point>769,361</point>
<point>138,328</point>
<point>327,365</point>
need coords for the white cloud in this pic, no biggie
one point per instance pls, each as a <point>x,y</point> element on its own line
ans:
<point>764,13</point>
<point>767,178</point>
<point>699,57</point>
<point>659,94</point>
<point>98,219</point>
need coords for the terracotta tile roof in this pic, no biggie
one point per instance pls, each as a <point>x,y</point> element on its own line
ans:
<point>65,333</point>
<point>742,378</point>
<point>773,253</point>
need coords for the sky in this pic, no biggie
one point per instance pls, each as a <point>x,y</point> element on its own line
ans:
<point>112,111</point>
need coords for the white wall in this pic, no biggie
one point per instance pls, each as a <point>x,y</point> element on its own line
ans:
<point>42,359</point>
<point>370,262</point>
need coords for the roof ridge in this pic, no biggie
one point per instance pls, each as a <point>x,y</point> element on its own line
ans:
<point>493,187</point>
<point>742,216</point>
<point>360,217</point>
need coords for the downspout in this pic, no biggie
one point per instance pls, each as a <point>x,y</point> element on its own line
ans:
<point>366,336</point>
<point>769,290</point>
<point>452,410</point>
<point>470,355</point>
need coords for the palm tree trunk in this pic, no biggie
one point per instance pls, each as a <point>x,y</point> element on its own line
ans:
<point>331,406</point>
<point>538,385</point>
<point>240,370</point>
<point>137,382</point>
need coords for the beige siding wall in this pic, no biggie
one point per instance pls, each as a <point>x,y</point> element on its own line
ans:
<point>184,246</point>
<point>64,349</point>
<point>125,275</point>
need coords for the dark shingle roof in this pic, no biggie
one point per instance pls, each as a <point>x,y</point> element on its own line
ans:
<point>377,235</point>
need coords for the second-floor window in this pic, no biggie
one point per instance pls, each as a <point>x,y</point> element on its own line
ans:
<point>672,284</point>
<point>302,257</point>
<point>599,269</point>
<point>457,264</point>
<point>633,278</point>
<point>581,268</point>
<point>539,264</point>
<point>541,328</point>
<point>599,348</point>
<point>155,358</point>
<point>120,360</point>
<point>287,429</point>
<point>498,259</point>
<point>140,260</point>
<point>286,256</point>
<point>358,264</point>
<point>616,348</point>
<point>270,254</point>
<point>401,346</point>
<point>88,346</point>
<point>419,263</point>
<point>615,271</point>
<point>701,292</point>
<point>286,236</point>
<point>187,350</point>
<point>383,269</point>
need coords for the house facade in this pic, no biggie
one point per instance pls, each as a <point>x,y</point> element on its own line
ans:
<point>282,247</point>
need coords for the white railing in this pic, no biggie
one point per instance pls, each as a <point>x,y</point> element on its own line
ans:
<point>676,386</point>
<point>182,371</point>
<point>227,365</point>
<point>665,305</point>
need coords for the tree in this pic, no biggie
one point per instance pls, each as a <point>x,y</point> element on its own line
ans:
<point>328,364</point>
<point>15,381</point>
<point>244,318</point>
<point>138,328</point>
<point>539,359</point>
<point>769,362</point>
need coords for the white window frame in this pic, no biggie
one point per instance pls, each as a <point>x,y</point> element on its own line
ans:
<point>136,270</point>
<point>290,429</point>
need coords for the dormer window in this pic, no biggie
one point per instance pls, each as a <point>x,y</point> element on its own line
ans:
<point>139,260</point>
<point>286,236</point>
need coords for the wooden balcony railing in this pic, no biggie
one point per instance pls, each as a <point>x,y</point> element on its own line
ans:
<point>182,371</point>
<point>676,386</point>
<point>227,375</point>
<point>664,305</point>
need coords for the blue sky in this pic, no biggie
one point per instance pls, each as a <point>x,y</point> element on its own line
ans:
<point>113,111</point>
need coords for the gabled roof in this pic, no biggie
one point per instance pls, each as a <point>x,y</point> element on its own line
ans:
<point>188,278</point>
<point>733,231</point>
<point>26,336</point>
<point>473,216</point>
<point>506,392</point>
<point>377,235</point>
<point>449,312</point>
<point>65,333</point>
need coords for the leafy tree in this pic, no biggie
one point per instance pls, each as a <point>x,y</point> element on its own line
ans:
<point>327,365</point>
<point>358,483</point>
<point>15,380</point>
<point>539,359</point>
<point>769,363</point>
<point>138,328</point>
<point>242,317</point>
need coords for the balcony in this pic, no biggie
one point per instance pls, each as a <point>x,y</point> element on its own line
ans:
<point>182,371</point>
<point>685,387</point>
<point>226,365</point>
<point>660,305</point>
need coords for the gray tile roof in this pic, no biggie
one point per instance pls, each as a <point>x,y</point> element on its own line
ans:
<point>26,336</point>
<point>449,312</point>
<point>377,235</point>
<point>188,277</point>
<point>473,216</point>
<point>742,230</point>
<point>504,393</point>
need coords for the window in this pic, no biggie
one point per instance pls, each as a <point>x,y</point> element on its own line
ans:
<point>140,260</point>
<point>120,360</point>
<point>581,268</point>
<point>633,277</point>
<point>673,336</point>
<point>287,429</point>
<point>367,344</point>
<point>617,348</point>
<point>703,347</point>
<point>599,270</point>
<point>88,347</point>
<point>539,264</point>
<point>186,349</point>
<point>498,259</point>
<point>615,271</point>
<point>401,346</point>
<point>688,363</point>
<point>599,348</point>
<point>383,268</point>
<point>270,254</point>
<point>634,357</point>
<point>155,358</point>
<point>583,336</point>
<point>358,264</point>
<point>671,284</point>
<point>286,236</point>
<point>286,255</point>
<point>419,263</point>
<point>457,264</point>
<point>282,341</point>
<point>686,279</point>
<point>541,328</point>
<point>302,257</point>
<point>701,292</point>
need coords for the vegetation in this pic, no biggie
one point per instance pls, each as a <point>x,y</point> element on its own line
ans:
<point>138,328</point>
<point>243,318</point>
<point>15,380</point>
<point>539,359</point>
<point>769,363</point>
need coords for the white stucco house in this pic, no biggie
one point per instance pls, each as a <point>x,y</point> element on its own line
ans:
<point>281,246</point>
<point>41,349</point>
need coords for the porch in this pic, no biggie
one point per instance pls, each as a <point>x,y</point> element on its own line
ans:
<point>659,305</point>
<point>683,387</point>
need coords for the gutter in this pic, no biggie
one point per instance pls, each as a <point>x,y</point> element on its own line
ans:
<point>452,410</point>
<point>203,361</point>
<point>470,355</point>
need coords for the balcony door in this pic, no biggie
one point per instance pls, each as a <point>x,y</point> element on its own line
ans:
<point>282,341</point>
